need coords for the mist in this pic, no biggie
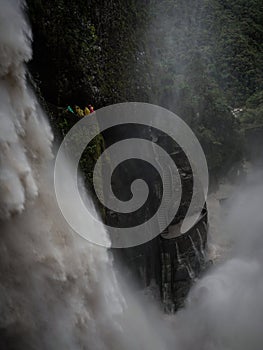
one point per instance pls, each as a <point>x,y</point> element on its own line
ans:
<point>224,309</point>
<point>58,291</point>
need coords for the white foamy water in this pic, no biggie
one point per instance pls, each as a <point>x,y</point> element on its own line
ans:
<point>57,291</point>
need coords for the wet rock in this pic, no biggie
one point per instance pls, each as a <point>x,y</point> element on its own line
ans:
<point>172,261</point>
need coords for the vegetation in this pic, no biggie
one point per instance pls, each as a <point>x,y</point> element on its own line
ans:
<point>200,59</point>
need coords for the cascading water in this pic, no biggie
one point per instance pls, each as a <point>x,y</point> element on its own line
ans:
<point>195,248</point>
<point>57,291</point>
<point>203,255</point>
<point>179,259</point>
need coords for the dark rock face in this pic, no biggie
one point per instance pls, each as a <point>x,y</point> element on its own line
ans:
<point>169,263</point>
<point>182,260</point>
<point>253,145</point>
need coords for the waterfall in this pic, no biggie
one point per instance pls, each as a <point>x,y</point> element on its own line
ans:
<point>197,254</point>
<point>189,270</point>
<point>57,291</point>
<point>179,259</point>
<point>201,245</point>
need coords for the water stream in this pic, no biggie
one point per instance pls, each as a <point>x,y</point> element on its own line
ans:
<point>58,291</point>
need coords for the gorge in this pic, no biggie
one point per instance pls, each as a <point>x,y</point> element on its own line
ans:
<point>59,291</point>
